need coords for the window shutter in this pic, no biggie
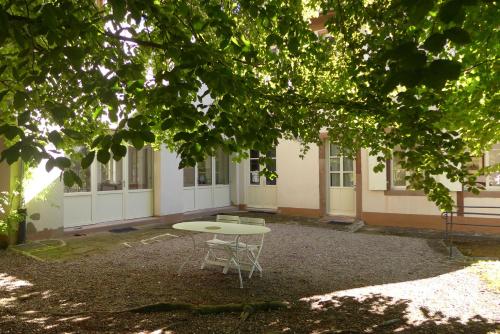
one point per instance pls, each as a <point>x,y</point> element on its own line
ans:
<point>376,181</point>
<point>452,186</point>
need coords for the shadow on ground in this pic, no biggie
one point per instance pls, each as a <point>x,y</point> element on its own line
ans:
<point>340,315</point>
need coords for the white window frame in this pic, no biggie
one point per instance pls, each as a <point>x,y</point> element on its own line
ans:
<point>341,171</point>
<point>262,178</point>
<point>488,177</point>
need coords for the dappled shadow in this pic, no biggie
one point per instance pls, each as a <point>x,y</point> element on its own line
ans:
<point>334,282</point>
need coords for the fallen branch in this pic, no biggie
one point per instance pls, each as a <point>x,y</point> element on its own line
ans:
<point>245,308</point>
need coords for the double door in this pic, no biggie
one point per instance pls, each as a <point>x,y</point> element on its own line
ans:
<point>114,191</point>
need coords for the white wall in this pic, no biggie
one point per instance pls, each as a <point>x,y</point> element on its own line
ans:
<point>168,183</point>
<point>298,179</point>
<point>44,196</point>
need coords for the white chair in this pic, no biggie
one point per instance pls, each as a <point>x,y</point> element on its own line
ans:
<point>249,250</point>
<point>217,244</point>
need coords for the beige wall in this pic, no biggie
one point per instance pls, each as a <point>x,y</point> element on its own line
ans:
<point>4,172</point>
<point>298,179</point>
<point>378,201</point>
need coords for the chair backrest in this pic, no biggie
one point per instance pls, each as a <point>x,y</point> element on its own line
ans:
<point>228,219</point>
<point>252,221</point>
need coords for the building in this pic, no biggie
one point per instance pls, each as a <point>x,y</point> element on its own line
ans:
<point>148,183</point>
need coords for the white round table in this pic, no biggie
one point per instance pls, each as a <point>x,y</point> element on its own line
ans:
<point>221,228</point>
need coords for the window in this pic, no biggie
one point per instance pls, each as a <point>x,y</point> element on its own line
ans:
<point>490,158</point>
<point>493,158</point>
<point>398,174</point>
<point>110,176</point>
<point>255,157</point>
<point>205,172</point>
<point>271,166</point>
<point>84,174</point>
<point>341,169</point>
<point>254,167</point>
<point>140,168</point>
<point>221,167</point>
<point>188,176</point>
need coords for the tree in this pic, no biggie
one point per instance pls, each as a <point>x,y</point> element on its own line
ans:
<point>420,76</point>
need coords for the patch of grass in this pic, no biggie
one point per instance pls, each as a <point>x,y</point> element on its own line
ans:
<point>95,243</point>
<point>479,248</point>
<point>488,271</point>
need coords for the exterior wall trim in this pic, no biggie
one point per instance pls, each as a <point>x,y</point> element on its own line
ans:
<point>433,222</point>
<point>300,212</point>
<point>483,194</point>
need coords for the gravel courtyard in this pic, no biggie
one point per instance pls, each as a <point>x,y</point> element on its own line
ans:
<point>334,282</point>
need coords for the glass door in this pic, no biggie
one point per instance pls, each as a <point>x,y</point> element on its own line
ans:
<point>342,192</point>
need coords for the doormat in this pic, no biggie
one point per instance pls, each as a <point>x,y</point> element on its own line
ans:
<point>340,222</point>
<point>122,230</point>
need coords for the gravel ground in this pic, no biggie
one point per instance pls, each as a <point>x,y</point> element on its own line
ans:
<point>335,282</point>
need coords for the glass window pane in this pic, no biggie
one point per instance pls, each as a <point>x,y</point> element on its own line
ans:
<point>334,150</point>
<point>348,179</point>
<point>347,164</point>
<point>494,158</point>
<point>254,177</point>
<point>271,153</point>
<point>140,168</point>
<point>334,164</point>
<point>188,176</point>
<point>110,176</point>
<point>221,167</point>
<point>84,174</point>
<point>398,173</point>
<point>271,165</point>
<point>254,154</point>
<point>334,179</point>
<point>254,165</point>
<point>205,172</point>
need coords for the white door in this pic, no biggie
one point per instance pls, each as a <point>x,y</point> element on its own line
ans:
<point>207,184</point>
<point>342,189</point>
<point>110,196</point>
<point>261,190</point>
<point>115,191</point>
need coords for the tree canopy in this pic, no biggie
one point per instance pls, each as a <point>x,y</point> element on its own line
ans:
<point>418,76</point>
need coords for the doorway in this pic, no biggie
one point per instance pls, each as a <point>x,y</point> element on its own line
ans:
<point>341,183</point>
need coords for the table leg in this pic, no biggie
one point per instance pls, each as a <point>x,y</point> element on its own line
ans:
<point>237,261</point>
<point>189,257</point>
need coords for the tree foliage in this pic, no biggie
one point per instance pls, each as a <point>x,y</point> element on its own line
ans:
<point>420,76</point>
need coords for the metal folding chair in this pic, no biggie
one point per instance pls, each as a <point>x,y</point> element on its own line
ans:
<point>250,251</point>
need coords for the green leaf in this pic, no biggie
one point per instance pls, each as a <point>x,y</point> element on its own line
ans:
<point>119,9</point>
<point>87,160</point>
<point>69,178</point>
<point>20,100</point>
<point>182,136</point>
<point>451,11</point>
<point>96,141</point>
<point>435,42</point>
<point>440,71</point>
<point>137,141</point>
<point>62,162</point>
<point>135,123</point>
<point>2,94</point>
<point>458,35</point>
<point>148,136</point>
<point>55,138</point>
<point>167,124</point>
<point>10,131</point>
<point>49,165</point>
<point>119,151</point>
<point>103,156</point>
